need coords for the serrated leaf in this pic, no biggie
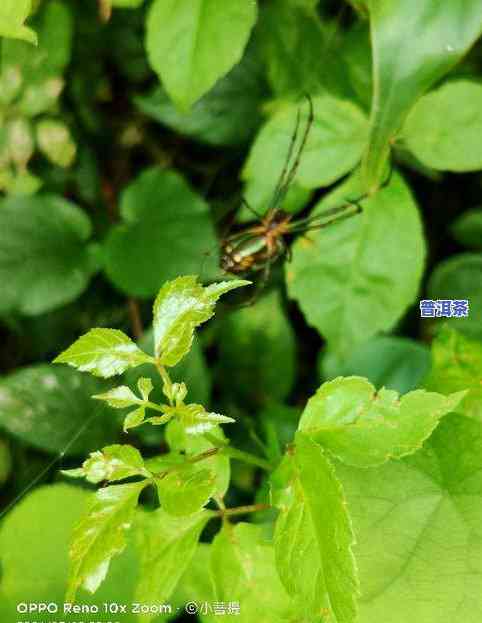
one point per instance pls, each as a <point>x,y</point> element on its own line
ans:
<point>193,43</point>
<point>338,132</point>
<point>197,421</point>
<point>101,535</point>
<point>366,262</point>
<point>456,366</point>
<point>186,490</point>
<point>145,386</point>
<point>13,14</point>
<point>460,278</point>
<point>467,229</point>
<point>113,463</point>
<point>417,523</point>
<point>313,538</point>
<point>159,211</point>
<point>444,127</point>
<point>119,397</point>
<point>43,243</point>
<point>181,306</point>
<point>242,570</point>
<point>403,72</point>
<point>50,408</point>
<point>134,418</point>
<point>103,352</point>
<point>167,545</point>
<point>365,427</point>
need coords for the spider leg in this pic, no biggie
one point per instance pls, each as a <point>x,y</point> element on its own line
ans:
<point>251,209</point>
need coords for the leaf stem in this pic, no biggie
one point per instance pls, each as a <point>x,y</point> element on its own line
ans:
<point>242,510</point>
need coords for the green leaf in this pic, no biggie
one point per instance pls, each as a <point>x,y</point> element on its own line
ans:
<point>51,409</point>
<point>193,43</point>
<point>181,306</point>
<point>365,427</point>
<point>145,386</point>
<point>101,535</point>
<point>134,418</point>
<point>313,538</point>
<point>467,229</point>
<point>197,421</point>
<point>242,570</point>
<point>55,141</point>
<point>417,524</point>
<point>460,278</point>
<point>113,463</point>
<point>20,141</point>
<point>402,71</point>
<point>13,14</point>
<point>258,194</point>
<point>456,366</point>
<point>103,352</point>
<point>155,242</point>
<point>45,261</point>
<point>127,4</point>
<point>444,127</point>
<point>186,490</point>
<point>257,348</point>
<point>45,519</point>
<point>227,115</point>
<point>39,97</point>
<point>119,397</point>
<point>338,132</point>
<point>386,361</point>
<point>371,263</point>
<point>168,545</point>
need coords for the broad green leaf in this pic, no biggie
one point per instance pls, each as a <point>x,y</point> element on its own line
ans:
<point>55,141</point>
<point>456,366</point>
<point>113,463</point>
<point>181,306</point>
<point>334,146</point>
<point>45,261</point>
<point>242,570</point>
<point>193,43</point>
<point>45,519</point>
<point>5,461</point>
<point>365,427</point>
<point>155,242</point>
<point>402,71</point>
<point>101,535</point>
<point>168,545</point>
<point>279,423</point>
<point>444,127</point>
<point>227,115</point>
<point>103,352</point>
<point>257,348</point>
<point>418,530</point>
<point>299,53</point>
<point>51,409</point>
<point>357,54</point>
<point>258,194</point>
<point>313,538</point>
<point>54,27</point>
<point>460,278</point>
<point>467,229</point>
<point>197,421</point>
<point>386,361</point>
<point>186,490</point>
<point>126,4</point>
<point>13,14</point>
<point>371,264</point>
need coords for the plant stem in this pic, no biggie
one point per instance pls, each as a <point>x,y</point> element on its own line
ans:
<point>166,379</point>
<point>135,317</point>
<point>242,510</point>
<point>240,455</point>
<point>193,459</point>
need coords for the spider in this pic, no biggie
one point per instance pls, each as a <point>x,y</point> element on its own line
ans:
<point>257,247</point>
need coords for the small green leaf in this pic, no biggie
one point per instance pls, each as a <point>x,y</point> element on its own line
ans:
<point>101,535</point>
<point>242,570</point>
<point>181,306</point>
<point>39,97</point>
<point>13,14</point>
<point>467,229</point>
<point>456,366</point>
<point>197,421</point>
<point>402,71</point>
<point>339,132</point>
<point>134,418</point>
<point>193,43</point>
<point>186,490</point>
<point>313,538</point>
<point>43,242</point>
<point>103,352</point>
<point>113,463</point>
<point>168,545</point>
<point>371,263</point>
<point>20,141</point>
<point>365,427</point>
<point>444,127</point>
<point>55,141</point>
<point>460,278</point>
<point>145,386</point>
<point>119,397</point>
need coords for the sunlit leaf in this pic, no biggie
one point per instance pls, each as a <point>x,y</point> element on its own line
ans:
<point>113,463</point>
<point>185,491</point>
<point>13,14</point>
<point>365,427</point>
